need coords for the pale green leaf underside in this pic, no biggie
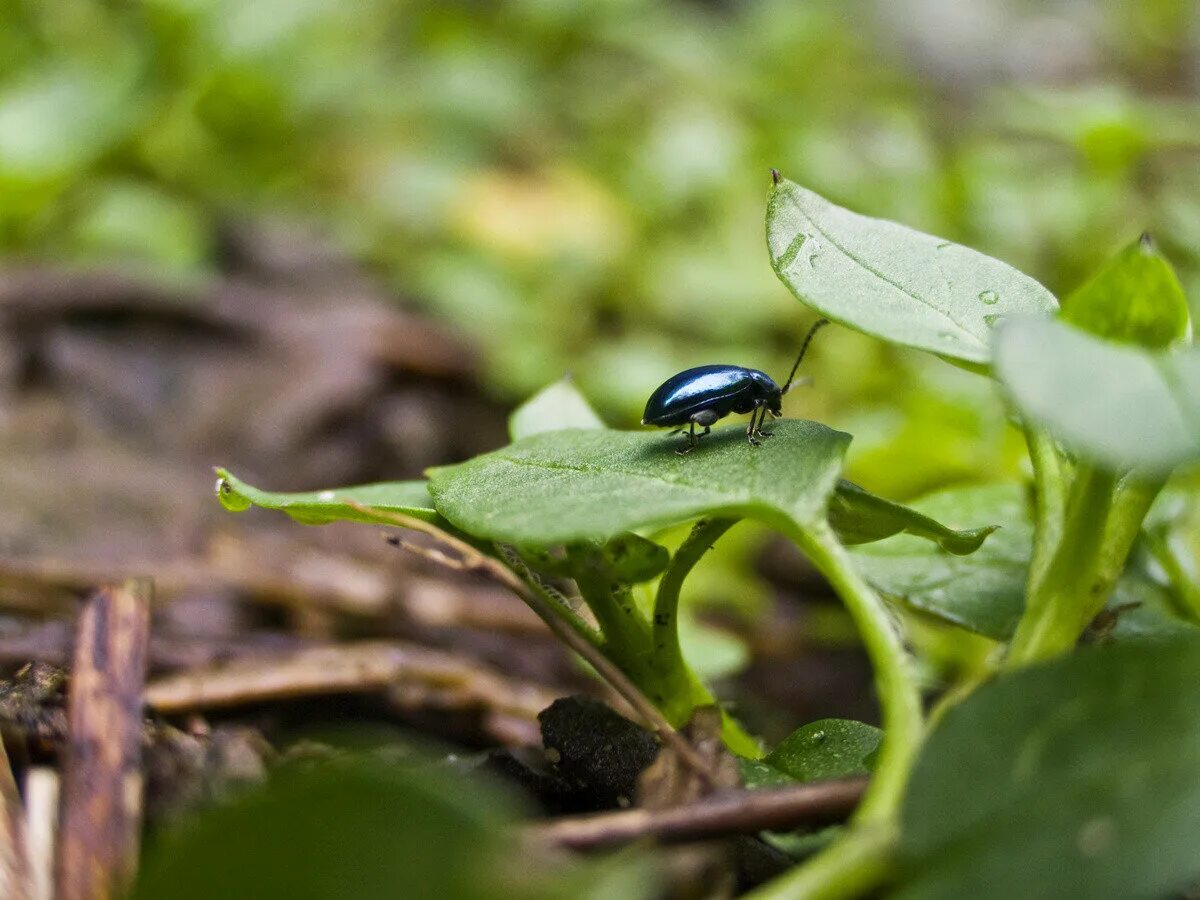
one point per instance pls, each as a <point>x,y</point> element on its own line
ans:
<point>887,280</point>
<point>860,517</point>
<point>577,484</point>
<point>1119,406</point>
<point>985,592</point>
<point>1072,779</point>
<point>554,407</point>
<point>409,498</point>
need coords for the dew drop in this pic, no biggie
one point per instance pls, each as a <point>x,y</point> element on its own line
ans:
<point>325,496</point>
<point>992,319</point>
<point>991,298</point>
<point>818,737</point>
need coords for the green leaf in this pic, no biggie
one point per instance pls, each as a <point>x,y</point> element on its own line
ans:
<point>1120,406</point>
<point>1072,779</point>
<point>566,486</point>
<point>556,406</point>
<point>860,517</point>
<point>985,592</point>
<point>359,829</point>
<point>625,559</point>
<point>886,280</point>
<point>755,773</point>
<point>411,498</point>
<point>1134,299</point>
<point>828,748</point>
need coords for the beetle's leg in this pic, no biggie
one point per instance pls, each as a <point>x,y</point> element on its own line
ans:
<point>752,429</point>
<point>762,421</point>
<point>691,441</point>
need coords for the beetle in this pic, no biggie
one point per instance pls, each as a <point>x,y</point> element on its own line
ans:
<point>702,395</point>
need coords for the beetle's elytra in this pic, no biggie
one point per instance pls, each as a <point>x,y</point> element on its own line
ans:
<point>702,395</point>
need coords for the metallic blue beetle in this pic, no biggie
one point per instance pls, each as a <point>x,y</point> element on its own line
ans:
<point>702,395</point>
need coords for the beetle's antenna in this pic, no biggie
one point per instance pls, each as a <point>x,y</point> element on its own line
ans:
<point>817,326</point>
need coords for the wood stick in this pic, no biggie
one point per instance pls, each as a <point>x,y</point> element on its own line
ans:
<point>15,880</point>
<point>41,822</point>
<point>360,667</point>
<point>472,560</point>
<point>734,812</point>
<point>101,803</point>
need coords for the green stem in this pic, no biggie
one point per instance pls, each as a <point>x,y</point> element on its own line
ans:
<point>1134,497</point>
<point>665,629</point>
<point>621,622</point>
<point>1184,586</point>
<point>862,857</point>
<point>895,685</point>
<point>853,865</point>
<point>668,654</point>
<point>1050,489</point>
<point>1074,587</point>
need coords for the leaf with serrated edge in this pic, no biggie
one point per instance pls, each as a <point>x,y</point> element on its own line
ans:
<point>565,486</point>
<point>887,280</point>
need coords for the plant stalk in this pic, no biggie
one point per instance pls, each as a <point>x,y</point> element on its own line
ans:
<point>1050,492</point>
<point>861,858</point>
<point>1078,579</point>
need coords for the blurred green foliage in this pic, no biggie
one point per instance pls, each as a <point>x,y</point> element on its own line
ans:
<point>581,183</point>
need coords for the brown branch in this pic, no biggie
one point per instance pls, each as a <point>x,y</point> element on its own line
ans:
<point>473,560</point>
<point>100,811</point>
<point>737,812</point>
<point>417,677</point>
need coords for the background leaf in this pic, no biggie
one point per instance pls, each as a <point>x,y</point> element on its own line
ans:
<point>574,485</point>
<point>860,517</point>
<point>985,592</point>
<point>363,829</point>
<point>321,507</point>
<point>828,748</point>
<point>892,282</point>
<point>556,406</point>
<point>1135,299</point>
<point>1073,779</point>
<point>1120,406</point>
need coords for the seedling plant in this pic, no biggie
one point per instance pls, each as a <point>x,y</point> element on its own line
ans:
<point>1013,785</point>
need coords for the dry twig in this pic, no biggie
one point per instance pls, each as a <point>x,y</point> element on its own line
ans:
<point>734,812</point>
<point>417,677</point>
<point>100,813</point>
<point>472,560</point>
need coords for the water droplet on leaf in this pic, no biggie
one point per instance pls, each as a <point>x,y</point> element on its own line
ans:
<point>992,319</point>
<point>991,298</point>
<point>818,737</point>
